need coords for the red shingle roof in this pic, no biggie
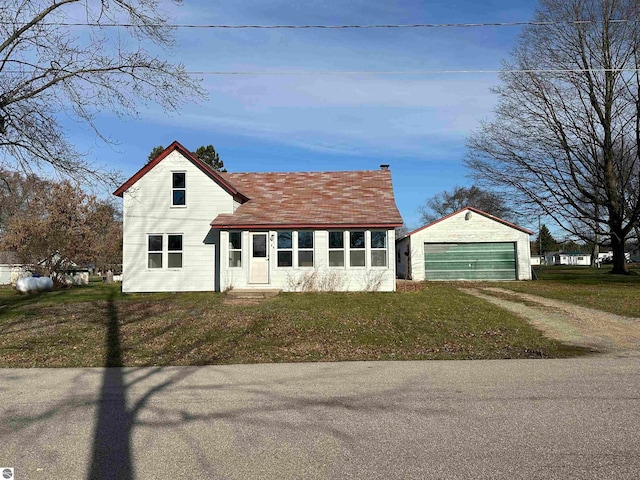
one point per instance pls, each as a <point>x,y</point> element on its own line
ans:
<point>313,199</point>
<point>297,199</point>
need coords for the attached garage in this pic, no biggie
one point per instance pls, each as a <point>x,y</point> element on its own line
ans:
<point>466,245</point>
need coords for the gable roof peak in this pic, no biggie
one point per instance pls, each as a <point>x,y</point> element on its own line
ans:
<point>206,169</point>
<point>470,209</point>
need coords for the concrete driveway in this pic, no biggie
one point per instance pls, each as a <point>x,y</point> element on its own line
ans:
<point>563,419</point>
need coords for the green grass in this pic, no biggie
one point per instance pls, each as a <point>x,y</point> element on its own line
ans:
<point>588,287</point>
<point>97,325</point>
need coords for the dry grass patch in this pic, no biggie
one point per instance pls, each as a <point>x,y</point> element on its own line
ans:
<point>83,327</point>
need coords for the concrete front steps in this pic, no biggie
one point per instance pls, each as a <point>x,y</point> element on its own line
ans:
<point>250,295</point>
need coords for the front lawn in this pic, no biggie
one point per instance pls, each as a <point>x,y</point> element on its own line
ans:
<point>97,326</point>
<point>586,286</point>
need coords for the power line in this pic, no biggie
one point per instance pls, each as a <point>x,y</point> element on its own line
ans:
<point>375,72</point>
<point>328,27</point>
<point>407,72</point>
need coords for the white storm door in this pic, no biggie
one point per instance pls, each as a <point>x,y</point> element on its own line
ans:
<point>259,267</point>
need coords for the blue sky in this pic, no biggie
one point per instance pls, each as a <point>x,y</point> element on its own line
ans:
<point>416,123</point>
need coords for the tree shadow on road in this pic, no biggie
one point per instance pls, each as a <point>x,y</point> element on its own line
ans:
<point>111,453</point>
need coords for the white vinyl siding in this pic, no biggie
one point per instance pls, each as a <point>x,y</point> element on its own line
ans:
<point>147,209</point>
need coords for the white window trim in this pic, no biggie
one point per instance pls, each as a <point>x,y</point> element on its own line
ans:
<point>295,264</point>
<point>298,249</point>
<point>181,252</point>
<point>175,189</point>
<point>364,249</point>
<point>292,249</point>
<point>161,252</point>
<point>386,250</point>
<point>229,249</point>
<point>164,252</point>
<point>344,249</point>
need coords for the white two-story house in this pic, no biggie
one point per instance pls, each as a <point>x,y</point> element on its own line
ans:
<point>187,227</point>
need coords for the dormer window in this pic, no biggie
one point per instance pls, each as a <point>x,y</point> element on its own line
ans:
<point>179,189</point>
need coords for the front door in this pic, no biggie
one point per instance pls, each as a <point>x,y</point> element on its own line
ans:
<point>259,268</point>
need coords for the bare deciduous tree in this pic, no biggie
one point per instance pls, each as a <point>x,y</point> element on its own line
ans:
<point>565,140</point>
<point>51,69</point>
<point>447,202</point>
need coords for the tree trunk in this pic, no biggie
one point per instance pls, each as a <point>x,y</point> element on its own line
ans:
<point>619,260</point>
<point>595,253</point>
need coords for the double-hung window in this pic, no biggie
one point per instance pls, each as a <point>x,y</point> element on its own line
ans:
<point>357,249</point>
<point>174,246</point>
<point>178,189</point>
<point>235,249</point>
<point>336,249</point>
<point>305,249</point>
<point>154,251</point>
<point>285,249</point>
<point>378,248</point>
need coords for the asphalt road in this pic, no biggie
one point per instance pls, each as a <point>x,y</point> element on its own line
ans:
<point>551,419</point>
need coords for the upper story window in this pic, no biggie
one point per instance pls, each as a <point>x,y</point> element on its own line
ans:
<point>357,249</point>
<point>285,249</point>
<point>235,249</point>
<point>379,248</point>
<point>336,249</point>
<point>305,249</point>
<point>178,189</point>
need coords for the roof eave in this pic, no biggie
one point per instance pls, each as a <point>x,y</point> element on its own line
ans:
<point>479,212</point>
<point>299,226</point>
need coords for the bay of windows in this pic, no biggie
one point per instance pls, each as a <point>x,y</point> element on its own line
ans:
<point>351,248</point>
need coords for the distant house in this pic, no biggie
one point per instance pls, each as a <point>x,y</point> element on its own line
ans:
<point>11,268</point>
<point>187,227</point>
<point>466,245</point>
<point>568,258</point>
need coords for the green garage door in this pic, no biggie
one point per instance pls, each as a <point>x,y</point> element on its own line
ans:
<point>470,261</point>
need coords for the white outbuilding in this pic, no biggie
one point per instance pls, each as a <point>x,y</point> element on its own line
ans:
<point>467,245</point>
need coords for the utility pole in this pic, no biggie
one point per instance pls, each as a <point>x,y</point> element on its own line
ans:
<point>539,241</point>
